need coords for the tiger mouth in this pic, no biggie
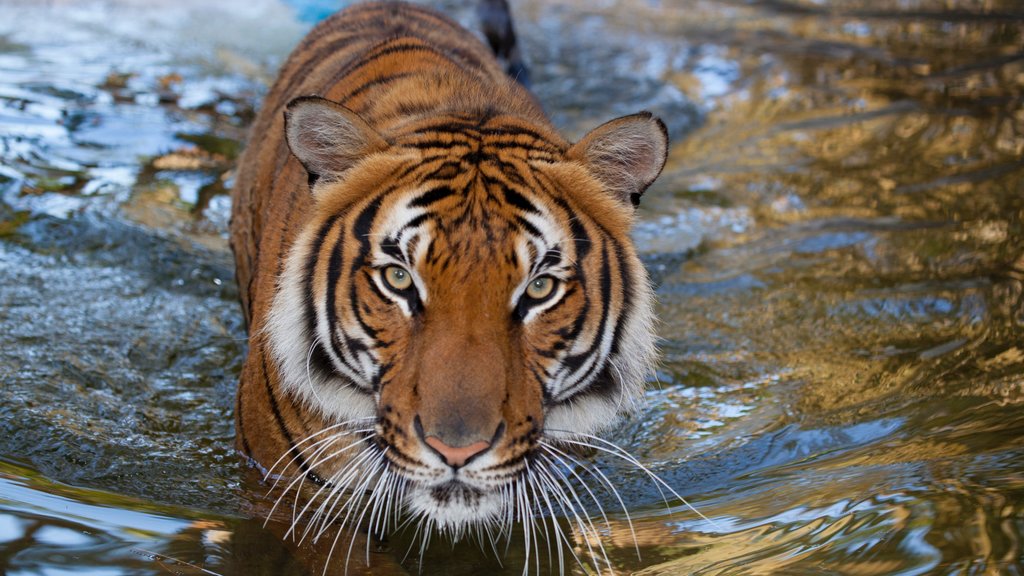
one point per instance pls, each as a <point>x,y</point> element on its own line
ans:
<point>454,506</point>
<point>456,490</point>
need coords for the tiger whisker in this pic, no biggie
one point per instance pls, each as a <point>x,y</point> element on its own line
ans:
<point>595,471</point>
<point>316,461</point>
<point>622,455</point>
<point>519,498</point>
<point>381,526</point>
<point>547,534</point>
<point>415,535</point>
<point>382,477</point>
<point>329,486</point>
<point>506,520</point>
<point>302,477</point>
<point>558,529</point>
<point>337,482</point>
<point>492,539</point>
<point>277,463</point>
<point>380,512</point>
<point>616,450</point>
<point>425,541</point>
<point>552,468</point>
<point>309,375</point>
<point>585,525</point>
<point>324,516</point>
<point>536,534</point>
<point>358,493</point>
<point>405,524</point>
<point>527,536</point>
<point>590,520</point>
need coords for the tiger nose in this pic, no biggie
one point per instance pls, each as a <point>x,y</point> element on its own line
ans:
<point>456,456</point>
<point>467,444</point>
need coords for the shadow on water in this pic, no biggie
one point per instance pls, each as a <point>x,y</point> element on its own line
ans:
<point>837,244</point>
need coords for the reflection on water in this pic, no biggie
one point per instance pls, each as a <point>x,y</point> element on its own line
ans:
<point>837,243</point>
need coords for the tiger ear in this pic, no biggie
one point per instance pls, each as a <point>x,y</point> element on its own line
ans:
<point>625,154</point>
<point>327,137</point>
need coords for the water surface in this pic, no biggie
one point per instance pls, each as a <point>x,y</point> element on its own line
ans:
<point>836,242</point>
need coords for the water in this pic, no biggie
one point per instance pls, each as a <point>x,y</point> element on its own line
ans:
<point>837,243</point>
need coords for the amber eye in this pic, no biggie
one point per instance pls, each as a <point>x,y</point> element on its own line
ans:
<point>540,288</point>
<point>398,277</point>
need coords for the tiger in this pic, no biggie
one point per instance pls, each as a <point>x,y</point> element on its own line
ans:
<point>439,289</point>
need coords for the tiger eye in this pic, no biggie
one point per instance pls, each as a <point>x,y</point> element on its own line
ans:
<point>398,277</point>
<point>540,287</point>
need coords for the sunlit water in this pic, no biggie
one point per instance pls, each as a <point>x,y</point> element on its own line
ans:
<point>837,243</point>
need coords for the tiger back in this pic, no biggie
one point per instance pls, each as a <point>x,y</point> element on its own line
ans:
<point>438,286</point>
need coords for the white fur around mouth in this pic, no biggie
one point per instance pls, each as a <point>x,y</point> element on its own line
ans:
<point>454,506</point>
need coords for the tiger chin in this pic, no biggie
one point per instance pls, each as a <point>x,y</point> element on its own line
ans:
<point>441,291</point>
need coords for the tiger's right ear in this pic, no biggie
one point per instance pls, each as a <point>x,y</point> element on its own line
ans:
<point>327,137</point>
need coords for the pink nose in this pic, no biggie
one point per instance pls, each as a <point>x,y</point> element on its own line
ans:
<point>456,456</point>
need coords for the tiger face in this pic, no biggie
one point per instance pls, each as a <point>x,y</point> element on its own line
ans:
<point>463,291</point>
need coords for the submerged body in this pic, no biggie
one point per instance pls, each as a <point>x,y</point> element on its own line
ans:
<point>438,287</point>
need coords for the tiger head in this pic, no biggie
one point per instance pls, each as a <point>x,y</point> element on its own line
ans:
<point>466,290</point>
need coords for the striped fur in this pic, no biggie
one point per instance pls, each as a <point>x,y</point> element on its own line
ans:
<point>392,137</point>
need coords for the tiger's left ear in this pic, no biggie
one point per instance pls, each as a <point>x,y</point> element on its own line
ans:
<point>327,137</point>
<point>625,154</point>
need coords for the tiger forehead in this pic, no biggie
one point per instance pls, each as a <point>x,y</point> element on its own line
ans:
<point>481,135</point>
<point>468,222</point>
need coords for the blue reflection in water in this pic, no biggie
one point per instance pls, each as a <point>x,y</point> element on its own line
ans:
<point>738,283</point>
<point>830,241</point>
<point>119,522</point>
<point>313,11</point>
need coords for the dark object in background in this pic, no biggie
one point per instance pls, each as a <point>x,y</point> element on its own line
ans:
<point>496,22</point>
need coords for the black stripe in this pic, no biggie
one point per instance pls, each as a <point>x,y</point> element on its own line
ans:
<point>334,268</point>
<point>362,228</point>
<point>606,296</point>
<point>509,173</point>
<point>354,345</point>
<point>528,148</point>
<point>583,245</point>
<point>439,143</point>
<point>544,389</point>
<point>528,226</point>
<point>417,221</point>
<point>574,362</point>
<point>463,127</point>
<point>431,197</point>
<point>319,359</point>
<point>241,427</point>
<point>390,247</point>
<point>628,307</point>
<point>550,259</point>
<point>299,459</point>
<point>604,384</point>
<point>518,200</point>
<point>387,48</point>
<point>379,81</point>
